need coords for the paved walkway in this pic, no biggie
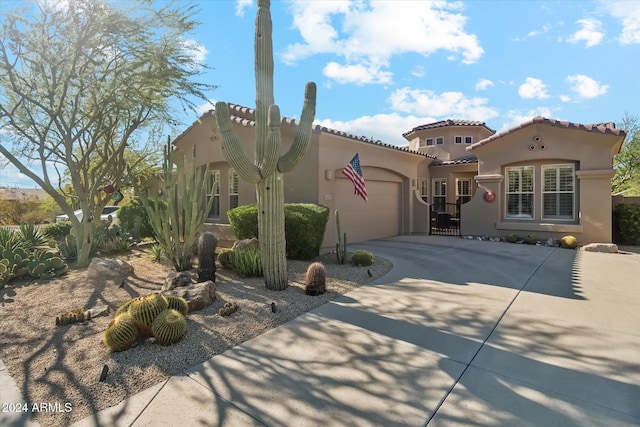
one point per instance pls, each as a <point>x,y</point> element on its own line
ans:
<point>460,332</point>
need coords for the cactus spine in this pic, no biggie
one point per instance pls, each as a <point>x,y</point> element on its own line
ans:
<point>207,243</point>
<point>121,333</point>
<point>169,327</point>
<point>177,303</point>
<point>269,166</point>
<point>315,279</point>
<point>144,310</point>
<point>341,246</point>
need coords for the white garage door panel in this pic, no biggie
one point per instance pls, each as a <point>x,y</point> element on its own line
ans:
<point>378,217</point>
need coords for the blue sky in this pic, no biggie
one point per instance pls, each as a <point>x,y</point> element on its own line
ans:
<point>383,67</point>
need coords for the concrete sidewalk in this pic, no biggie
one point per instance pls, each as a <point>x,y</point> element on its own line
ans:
<point>459,332</point>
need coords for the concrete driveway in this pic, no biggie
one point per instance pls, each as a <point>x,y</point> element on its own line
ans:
<point>460,332</point>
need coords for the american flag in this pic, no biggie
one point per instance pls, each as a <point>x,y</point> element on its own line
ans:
<point>354,173</point>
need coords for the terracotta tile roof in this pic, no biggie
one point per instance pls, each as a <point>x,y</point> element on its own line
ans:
<point>245,116</point>
<point>459,161</point>
<point>606,128</point>
<point>446,123</point>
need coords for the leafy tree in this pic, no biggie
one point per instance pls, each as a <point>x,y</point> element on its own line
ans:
<point>627,161</point>
<point>83,84</point>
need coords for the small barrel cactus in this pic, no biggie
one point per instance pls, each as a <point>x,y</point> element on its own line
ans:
<point>177,303</point>
<point>206,249</point>
<point>121,333</point>
<point>531,239</point>
<point>569,242</point>
<point>513,238</point>
<point>225,257</point>
<point>169,327</point>
<point>315,279</point>
<point>362,258</point>
<point>228,309</point>
<point>144,310</point>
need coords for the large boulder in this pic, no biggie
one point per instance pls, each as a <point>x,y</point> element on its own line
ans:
<point>176,279</point>
<point>197,295</point>
<point>108,269</point>
<point>609,248</point>
<point>246,244</point>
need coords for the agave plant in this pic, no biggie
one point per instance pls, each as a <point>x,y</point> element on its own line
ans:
<point>31,236</point>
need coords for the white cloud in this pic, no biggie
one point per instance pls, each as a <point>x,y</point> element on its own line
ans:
<point>203,108</point>
<point>565,98</point>
<point>545,28</point>
<point>628,12</point>
<point>585,87</point>
<point>533,88</point>
<point>446,104</point>
<point>591,32</point>
<point>418,71</point>
<point>194,49</point>
<point>517,117</point>
<point>370,33</point>
<point>241,5</point>
<point>387,128</point>
<point>483,84</point>
<point>358,74</point>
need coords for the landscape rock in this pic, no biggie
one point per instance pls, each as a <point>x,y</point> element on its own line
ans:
<point>197,295</point>
<point>246,244</point>
<point>176,279</point>
<point>609,248</point>
<point>108,269</point>
<point>99,310</point>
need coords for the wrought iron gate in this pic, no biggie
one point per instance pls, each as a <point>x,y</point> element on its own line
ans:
<point>444,219</point>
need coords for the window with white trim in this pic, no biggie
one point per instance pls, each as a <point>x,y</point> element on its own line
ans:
<point>439,198</point>
<point>458,139</point>
<point>428,141</point>
<point>439,140</point>
<point>558,191</point>
<point>423,186</point>
<point>463,190</point>
<point>213,190</point>
<point>468,140</point>
<point>519,192</point>
<point>234,182</point>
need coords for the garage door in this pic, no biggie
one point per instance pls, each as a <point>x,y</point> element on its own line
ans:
<point>376,218</point>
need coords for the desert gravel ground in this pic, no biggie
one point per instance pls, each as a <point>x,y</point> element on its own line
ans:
<point>62,365</point>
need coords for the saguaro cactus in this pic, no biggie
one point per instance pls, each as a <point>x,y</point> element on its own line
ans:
<point>268,167</point>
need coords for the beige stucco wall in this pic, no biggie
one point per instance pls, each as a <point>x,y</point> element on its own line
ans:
<point>537,145</point>
<point>452,173</point>
<point>449,150</point>
<point>379,165</point>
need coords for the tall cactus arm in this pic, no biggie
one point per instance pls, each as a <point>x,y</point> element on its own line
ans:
<point>301,140</point>
<point>263,52</point>
<point>232,148</point>
<point>272,149</point>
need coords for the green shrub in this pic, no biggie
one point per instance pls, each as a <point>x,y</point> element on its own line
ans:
<point>626,224</point>
<point>68,248</point>
<point>156,253</point>
<point>513,238</point>
<point>58,230</point>
<point>362,258</point>
<point>133,219</point>
<point>244,221</point>
<point>116,245</point>
<point>305,224</point>
<point>531,239</point>
<point>569,242</point>
<point>225,257</point>
<point>247,263</point>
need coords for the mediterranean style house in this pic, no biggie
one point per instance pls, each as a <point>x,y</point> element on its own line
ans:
<point>544,176</point>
